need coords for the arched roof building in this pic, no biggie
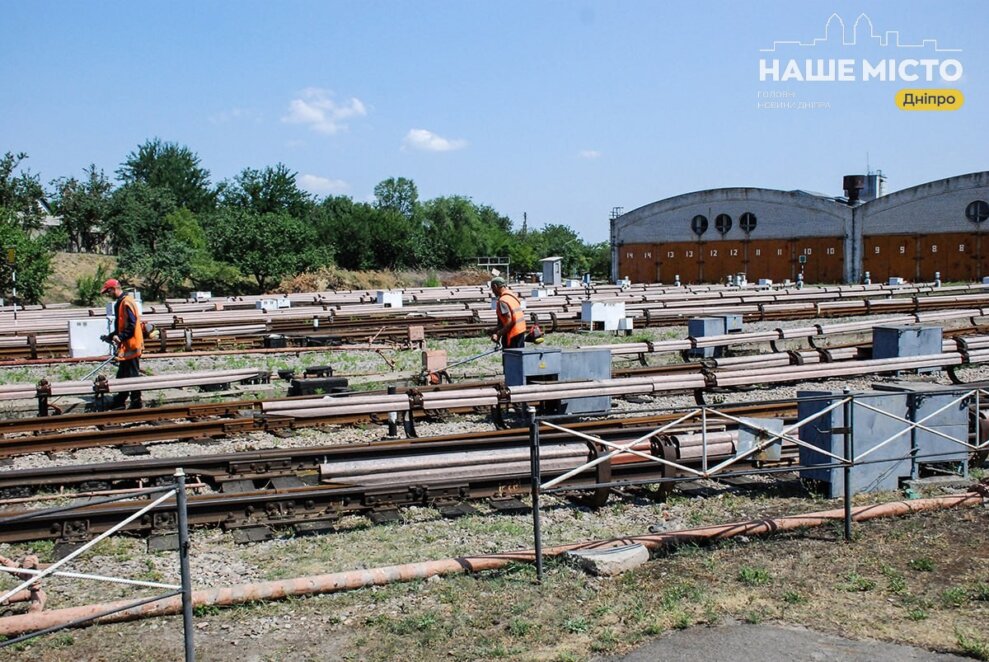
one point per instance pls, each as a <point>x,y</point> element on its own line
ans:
<point>705,236</point>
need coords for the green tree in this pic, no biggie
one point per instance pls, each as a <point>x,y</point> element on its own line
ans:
<point>33,259</point>
<point>457,230</point>
<point>20,192</point>
<point>83,207</point>
<point>160,271</point>
<point>157,241</point>
<point>391,239</point>
<point>138,216</point>
<point>271,190</point>
<point>598,258</point>
<point>345,227</point>
<point>265,246</point>
<point>397,194</point>
<point>172,167</point>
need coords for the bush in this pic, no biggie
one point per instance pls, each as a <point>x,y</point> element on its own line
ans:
<point>88,287</point>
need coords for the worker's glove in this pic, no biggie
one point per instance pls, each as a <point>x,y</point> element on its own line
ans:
<point>107,338</point>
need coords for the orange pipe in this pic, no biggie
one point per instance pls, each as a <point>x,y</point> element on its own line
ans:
<point>353,579</point>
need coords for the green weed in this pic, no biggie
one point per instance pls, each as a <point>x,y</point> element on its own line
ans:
<point>753,576</point>
<point>922,564</point>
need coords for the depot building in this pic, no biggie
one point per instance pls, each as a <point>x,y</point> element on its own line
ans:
<point>706,236</point>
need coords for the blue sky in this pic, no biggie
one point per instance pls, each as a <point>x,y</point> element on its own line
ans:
<point>562,110</point>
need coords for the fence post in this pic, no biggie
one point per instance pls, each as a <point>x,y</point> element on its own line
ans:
<point>183,521</point>
<point>847,414</point>
<point>914,448</point>
<point>536,481</point>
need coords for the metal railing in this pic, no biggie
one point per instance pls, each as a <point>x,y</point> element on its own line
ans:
<point>747,461</point>
<point>184,588</point>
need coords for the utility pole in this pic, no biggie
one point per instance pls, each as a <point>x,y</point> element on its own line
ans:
<point>12,263</point>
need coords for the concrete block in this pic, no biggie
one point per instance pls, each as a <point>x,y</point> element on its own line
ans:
<point>417,334</point>
<point>626,324</point>
<point>985,280</point>
<point>765,282</point>
<point>434,360</point>
<point>284,302</point>
<point>610,562</point>
<point>539,294</point>
<point>267,305</point>
<point>199,297</point>
<point>895,280</point>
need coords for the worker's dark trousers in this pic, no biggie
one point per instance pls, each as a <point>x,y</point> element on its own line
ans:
<point>129,368</point>
<point>518,342</point>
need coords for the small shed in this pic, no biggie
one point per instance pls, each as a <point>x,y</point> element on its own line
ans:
<point>552,270</point>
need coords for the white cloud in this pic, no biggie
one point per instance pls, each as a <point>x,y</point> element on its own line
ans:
<point>317,109</point>
<point>428,141</point>
<point>317,184</point>
<point>589,154</point>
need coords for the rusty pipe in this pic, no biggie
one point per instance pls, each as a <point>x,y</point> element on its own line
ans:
<point>354,579</point>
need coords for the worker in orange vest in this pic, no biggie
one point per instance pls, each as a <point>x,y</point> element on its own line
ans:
<point>511,319</point>
<point>127,338</point>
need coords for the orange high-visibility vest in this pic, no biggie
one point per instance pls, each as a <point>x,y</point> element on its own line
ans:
<point>133,346</point>
<point>515,314</point>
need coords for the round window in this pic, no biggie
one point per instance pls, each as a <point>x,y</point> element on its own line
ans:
<point>723,223</point>
<point>699,224</point>
<point>747,222</point>
<point>977,211</point>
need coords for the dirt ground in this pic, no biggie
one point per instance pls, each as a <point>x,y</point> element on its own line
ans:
<point>67,268</point>
<point>921,580</point>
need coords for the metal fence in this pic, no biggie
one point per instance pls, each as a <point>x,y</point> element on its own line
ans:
<point>765,439</point>
<point>161,495</point>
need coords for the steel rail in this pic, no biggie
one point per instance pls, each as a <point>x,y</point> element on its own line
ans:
<point>262,465</point>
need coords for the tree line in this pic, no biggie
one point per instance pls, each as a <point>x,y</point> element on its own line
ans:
<point>173,229</point>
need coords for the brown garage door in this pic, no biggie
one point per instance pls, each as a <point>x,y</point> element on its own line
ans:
<point>722,259</point>
<point>769,258</point>
<point>890,255</point>
<point>632,259</point>
<point>823,258</point>
<point>678,258</point>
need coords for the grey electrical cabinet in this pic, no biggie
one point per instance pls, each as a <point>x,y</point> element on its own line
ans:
<point>581,365</point>
<point>893,342</point>
<point>701,327</point>
<point>944,413</point>
<point>879,470</point>
<point>528,364</point>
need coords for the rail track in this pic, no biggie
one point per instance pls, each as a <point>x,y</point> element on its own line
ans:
<point>210,420</point>
<point>332,318</point>
<point>311,488</point>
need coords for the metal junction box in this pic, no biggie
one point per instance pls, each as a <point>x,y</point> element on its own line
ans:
<point>522,365</point>
<point>733,323</point>
<point>581,365</point>
<point>544,364</point>
<point>923,400</point>
<point>879,471</point>
<point>701,327</point>
<point>889,342</point>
